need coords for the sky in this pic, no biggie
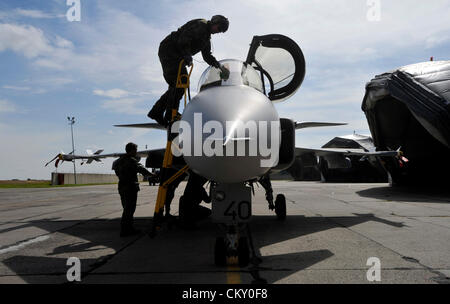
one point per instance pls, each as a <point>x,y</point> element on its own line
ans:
<point>104,69</point>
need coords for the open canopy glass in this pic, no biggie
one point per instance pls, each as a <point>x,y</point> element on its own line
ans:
<point>240,74</point>
<point>281,65</point>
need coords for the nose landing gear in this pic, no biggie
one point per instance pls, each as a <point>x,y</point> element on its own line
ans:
<point>220,252</point>
<point>232,211</point>
<point>230,248</point>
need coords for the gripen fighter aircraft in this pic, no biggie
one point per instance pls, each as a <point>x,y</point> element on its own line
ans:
<point>234,158</point>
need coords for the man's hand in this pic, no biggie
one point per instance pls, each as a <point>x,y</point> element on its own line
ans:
<point>225,73</point>
<point>187,60</point>
<point>149,174</point>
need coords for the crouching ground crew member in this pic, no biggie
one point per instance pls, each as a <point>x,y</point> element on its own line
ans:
<point>191,38</point>
<point>126,168</point>
<point>194,193</point>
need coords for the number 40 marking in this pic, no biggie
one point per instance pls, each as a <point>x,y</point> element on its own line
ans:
<point>242,212</point>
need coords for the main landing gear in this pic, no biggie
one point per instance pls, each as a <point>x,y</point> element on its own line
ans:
<point>280,201</point>
<point>280,207</point>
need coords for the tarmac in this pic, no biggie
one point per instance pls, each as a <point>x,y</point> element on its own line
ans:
<point>328,236</point>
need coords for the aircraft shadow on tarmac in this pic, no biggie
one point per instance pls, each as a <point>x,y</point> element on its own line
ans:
<point>171,251</point>
<point>428,194</point>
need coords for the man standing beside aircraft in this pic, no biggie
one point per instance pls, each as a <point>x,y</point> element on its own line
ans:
<point>126,168</point>
<point>191,38</point>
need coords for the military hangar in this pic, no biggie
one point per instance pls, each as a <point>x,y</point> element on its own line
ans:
<point>409,109</point>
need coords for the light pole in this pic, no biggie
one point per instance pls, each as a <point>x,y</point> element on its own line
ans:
<point>71,122</point>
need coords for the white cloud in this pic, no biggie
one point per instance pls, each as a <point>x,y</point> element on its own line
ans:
<point>26,40</point>
<point>63,43</point>
<point>131,106</point>
<point>40,91</point>
<point>6,106</point>
<point>119,93</point>
<point>19,13</point>
<point>41,84</point>
<point>113,93</point>
<point>16,88</point>
<point>49,63</point>
<point>118,46</point>
<point>49,81</point>
<point>32,43</point>
<point>34,14</point>
<point>435,41</point>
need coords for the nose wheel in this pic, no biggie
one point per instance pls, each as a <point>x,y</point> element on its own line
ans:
<point>280,207</point>
<point>225,249</point>
<point>220,252</point>
<point>243,252</point>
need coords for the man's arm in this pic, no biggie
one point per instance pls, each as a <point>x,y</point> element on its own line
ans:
<point>142,170</point>
<point>208,57</point>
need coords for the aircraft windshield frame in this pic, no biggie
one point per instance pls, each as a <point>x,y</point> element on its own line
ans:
<point>241,73</point>
<point>280,62</point>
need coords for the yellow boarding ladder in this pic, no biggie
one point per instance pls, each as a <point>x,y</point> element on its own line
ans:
<point>168,156</point>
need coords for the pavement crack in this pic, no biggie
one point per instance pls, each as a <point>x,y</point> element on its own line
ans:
<point>104,259</point>
<point>410,259</point>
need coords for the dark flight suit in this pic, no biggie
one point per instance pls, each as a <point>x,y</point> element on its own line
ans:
<point>126,168</point>
<point>191,38</point>
<point>194,193</point>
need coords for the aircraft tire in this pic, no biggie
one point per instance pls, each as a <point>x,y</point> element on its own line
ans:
<point>280,207</point>
<point>220,252</point>
<point>243,252</point>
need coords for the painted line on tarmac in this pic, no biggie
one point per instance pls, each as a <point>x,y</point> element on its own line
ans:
<point>233,275</point>
<point>233,271</point>
<point>24,244</point>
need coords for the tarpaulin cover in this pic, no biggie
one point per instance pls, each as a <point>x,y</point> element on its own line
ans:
<point>424,88</point>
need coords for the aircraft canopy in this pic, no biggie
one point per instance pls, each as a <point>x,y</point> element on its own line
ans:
<point>281,64</point>
<point>240,74</point>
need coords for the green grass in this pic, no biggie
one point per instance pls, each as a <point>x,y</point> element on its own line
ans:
<point>42,184</point>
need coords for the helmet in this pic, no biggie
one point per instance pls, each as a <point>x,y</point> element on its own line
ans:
<point>221,21</point>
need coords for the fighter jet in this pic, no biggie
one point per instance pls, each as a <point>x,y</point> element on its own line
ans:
<point>231,134</point>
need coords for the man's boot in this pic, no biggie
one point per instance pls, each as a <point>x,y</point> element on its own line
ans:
<point>157,112</point>
<point>158,116</point>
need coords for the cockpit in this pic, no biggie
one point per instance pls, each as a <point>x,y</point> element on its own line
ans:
<point>241,73</point>
<point>275,66</point>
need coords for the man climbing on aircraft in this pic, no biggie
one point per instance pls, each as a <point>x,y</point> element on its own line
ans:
<point>191,38</point>
<point>127,167</point>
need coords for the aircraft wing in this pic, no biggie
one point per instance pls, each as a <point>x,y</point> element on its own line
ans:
<point>345,151</point>
<point>304,125</point>
<point>156,156</point>
<point>143,125</point>
<point>298,125</point>
<point>337,157</point>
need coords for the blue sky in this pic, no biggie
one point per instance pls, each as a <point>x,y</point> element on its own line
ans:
<point>104,70</point>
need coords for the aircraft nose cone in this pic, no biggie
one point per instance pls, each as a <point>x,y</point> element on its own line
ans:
<point>226,124</point>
